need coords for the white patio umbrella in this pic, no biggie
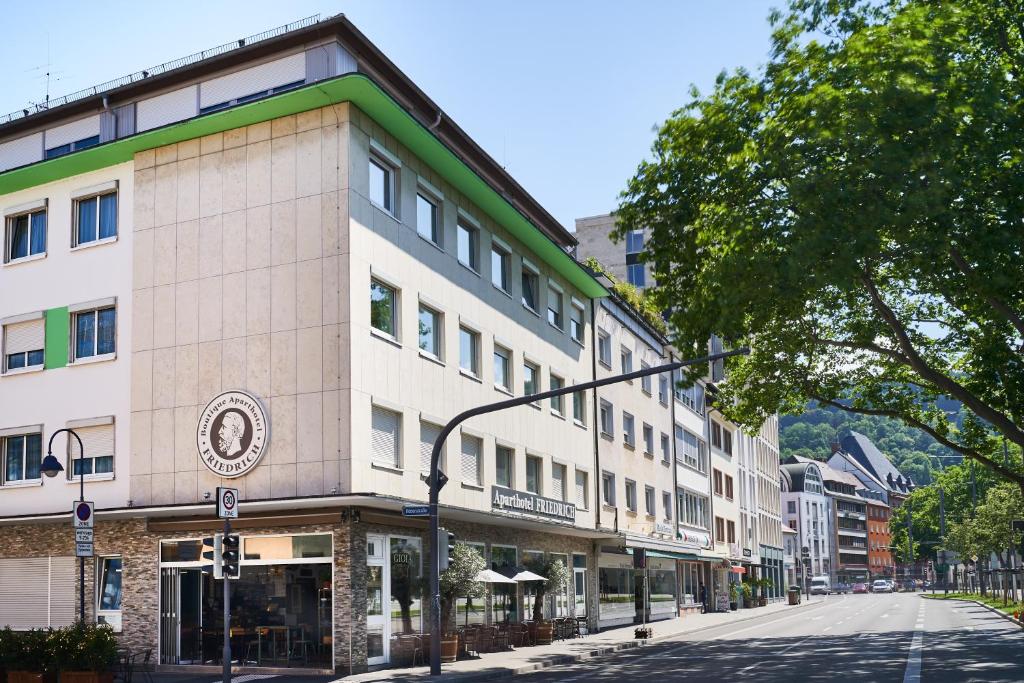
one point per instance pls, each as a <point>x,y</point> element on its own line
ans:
<point>491,576</point>
<point>527,575</point>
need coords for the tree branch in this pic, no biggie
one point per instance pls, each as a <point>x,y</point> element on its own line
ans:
<point>932,432</point>
<point>998,305</point>
<point>943,382</point>
<point>866,346</point>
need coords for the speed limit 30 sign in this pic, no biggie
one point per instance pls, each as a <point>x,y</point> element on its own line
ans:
<point>227,503</point>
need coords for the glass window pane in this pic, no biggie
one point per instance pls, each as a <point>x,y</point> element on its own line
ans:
<point>529,290</point>
<point>501,368</point>
<point>38,245</point>
<point>33,455</point>
<point>529,379</point>
<point>286,547</point>
<point>19,237</point>
<point>105,330</point>
<point>108,215</point>
<point>79,465</point>
<point>467,350</point>
<point>406,587</point>
<point>467,238</point>
<point>382,307</point>
<point>103,465</point>
<point>499,269</point>
<point>110,584</point>
<point>426,218</point>
<point>380,185</point>
<point>429,331</point>
<point>15,360</point>
<point>87,220</point>
<point>15,450</point>
<point>85,334</point>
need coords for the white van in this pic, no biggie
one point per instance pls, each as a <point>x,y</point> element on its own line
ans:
<point>821,585</point>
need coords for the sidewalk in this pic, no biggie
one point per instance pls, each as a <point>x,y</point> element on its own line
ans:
<point>523,660</point>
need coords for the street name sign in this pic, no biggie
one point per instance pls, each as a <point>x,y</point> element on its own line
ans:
<point>416,511</point>
<point>227,503</point>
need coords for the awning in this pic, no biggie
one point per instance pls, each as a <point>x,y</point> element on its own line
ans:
<point>671,555</point>
<point>737,570</point>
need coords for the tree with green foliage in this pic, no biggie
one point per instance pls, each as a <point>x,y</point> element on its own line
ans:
<point>855,213</point>
<point>459,579</point>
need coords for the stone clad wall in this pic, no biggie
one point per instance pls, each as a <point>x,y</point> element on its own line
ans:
<point>239,253</point>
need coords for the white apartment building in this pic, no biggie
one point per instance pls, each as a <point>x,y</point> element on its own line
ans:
<point>807,509</point>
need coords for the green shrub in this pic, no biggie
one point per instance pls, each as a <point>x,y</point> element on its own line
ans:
<point>30,650</point>
<point>84,647</point>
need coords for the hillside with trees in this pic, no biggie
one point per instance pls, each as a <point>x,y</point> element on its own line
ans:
<point>811,434</point>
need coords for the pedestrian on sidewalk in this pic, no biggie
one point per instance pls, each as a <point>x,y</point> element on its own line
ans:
<point>703,599</point>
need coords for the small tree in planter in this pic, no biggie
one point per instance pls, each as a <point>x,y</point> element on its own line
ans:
<point>30,658</point>
<point>748,594</point>
<point>85,653</point>
<point>557,577</point>
<point>459,578</point>
<point>734,596</point>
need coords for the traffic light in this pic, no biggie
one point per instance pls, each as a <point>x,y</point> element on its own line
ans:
<point>230,556</point>
<point>639,558</point>
<point>446,543</point>
<point>214,556</point>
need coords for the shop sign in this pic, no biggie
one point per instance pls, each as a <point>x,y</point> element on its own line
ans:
<point>746,552</point>
<point>694,538</point>
<point>508,500</point>
<point>233,434</point>
<point>662,528</point>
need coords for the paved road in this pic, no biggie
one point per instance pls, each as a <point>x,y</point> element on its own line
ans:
<point>852,638</point>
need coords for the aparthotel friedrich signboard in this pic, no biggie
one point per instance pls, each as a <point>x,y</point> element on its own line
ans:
<point>232,434</point>
<point>532,504</point>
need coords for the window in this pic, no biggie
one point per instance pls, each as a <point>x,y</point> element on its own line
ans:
<point>731,528</point>
<point>626,357</point>
<point>26,235</point>
<point>530,373</point>
<point>23,344</point>
<point>94,332</point>
<point>691,449</point>
<point>719,488</point>
<point>428,435</point>
<point>468,246</point>
<point>634,241</point>
<point>663,390</point>
<point>666,505</point>
<point>98,446</point>
<point>469,351</point>
<point>22,457</point>
<point>576,322</point>
<point>531,285</point>
<point>607,419</point>
<point>557,402</point>
<point>649,501</point>
<point>728,487</point>
<point>628,429</point>
<point>430,331</point>
<point>719,530</point>
<point>108,592</point>
<point>471,448</point>
<point>500,259</point>
<point>558,481</point>
<point>727,441</point>
<point>608,489</point>
<point>716,434</point>
<point>533,474</point>
<point>383,308</point>
<point>502,368</point>
<point>692,397</point>
<point>579,408</point>
<point>555,307</point>
<point>693,509</point>
<point>648,432</point>
<point>70,147</point>
<point>504,466</point>
<point>426,218</point>
<point>382,184</point>
<point>635,275</point>
<point>666,449</point>
<point>604,348</point>
<point>95,218</point>
<point>581,489</point>
<point>385,437</point>
<point>631,495</point>
<point>645,381</point>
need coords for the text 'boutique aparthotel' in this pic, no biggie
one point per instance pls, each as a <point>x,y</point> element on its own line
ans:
<point>279,266</point>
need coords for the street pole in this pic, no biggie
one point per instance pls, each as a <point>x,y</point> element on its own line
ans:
<point>81,499</point>
<point>910,539</point>
<point>226,673</point>
<point>435,480</point>
<point>942,535</point>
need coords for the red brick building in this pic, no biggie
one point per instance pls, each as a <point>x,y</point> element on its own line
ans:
<point>880,562</point>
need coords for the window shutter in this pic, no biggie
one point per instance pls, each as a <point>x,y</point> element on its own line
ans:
<point>558,482</point>
<point>63,581</point>
<point>471,459</point>
<point>96,441</point>
<point>45,595</point>
<point>26,336</point>
<point>581,489</point>
<point>385,437</point>
<point>428,435</point>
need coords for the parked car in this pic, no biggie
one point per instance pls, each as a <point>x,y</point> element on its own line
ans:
<point>821,585</point>
<point>841,588</point>
<point>860,588</point>
<point>881,586</point>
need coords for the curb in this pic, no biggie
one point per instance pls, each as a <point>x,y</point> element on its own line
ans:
<point>1004,615</point>
<point>554,660</point>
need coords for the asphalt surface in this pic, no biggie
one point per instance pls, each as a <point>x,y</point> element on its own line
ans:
<point>851,638</point>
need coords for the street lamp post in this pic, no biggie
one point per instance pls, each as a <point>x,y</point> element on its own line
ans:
<point>436,479</point>
<point>51,467</point>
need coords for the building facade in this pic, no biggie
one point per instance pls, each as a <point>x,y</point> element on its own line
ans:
<point>807,509</point>
<point>621,259</point>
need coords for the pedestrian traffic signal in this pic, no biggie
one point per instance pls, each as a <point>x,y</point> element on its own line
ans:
<point>230,556</point>
<point>214,556</point>
<point>446,543</point>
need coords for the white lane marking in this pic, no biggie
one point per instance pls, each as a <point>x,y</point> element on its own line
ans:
<point>912,674</point>
<point>827,628</point>
<point>885,616</point>
<point>782,651</point>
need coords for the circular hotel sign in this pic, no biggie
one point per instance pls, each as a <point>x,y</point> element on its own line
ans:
<point>233,434</point>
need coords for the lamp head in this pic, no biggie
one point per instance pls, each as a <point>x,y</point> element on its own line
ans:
<point>50,466</point>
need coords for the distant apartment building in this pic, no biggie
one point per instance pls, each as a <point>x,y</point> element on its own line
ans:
<point>622,259</point>
<point>806,508</point>
<point>880,556</point>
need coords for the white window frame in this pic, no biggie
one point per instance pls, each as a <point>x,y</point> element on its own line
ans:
<point>396,294</point>
<point>631,501</point>
<point>96,193</point>
<point>531,271</point>
<point>606,415</point>
<point>74,453</point>
<point>580,398</point>
<point>14,433</point>
<point>479,481</point>
<point>628,429</point>
<point>557,402</point>
<point>650,501</point>
<point>604,348</point>
<point>626,359</point>
<point>475,338</point>
<point>539,461</point>
<point>503,384</point>
<point>576,308</point>
<point>648,434</point>
<point>556,318</point>
<point>29,211</point>
<point>474,233</point>
<point>37,317</point>
<point>438,331</point>
<point>92,308</point>
<point>108,616</point>
<point>498,448</point>
<point>397,464</point>
<point>389,164</point>
<point>535,368</point>
<point>503,250</point>
<point>430,196</point>
<point>608,489</point>
<point>585,503</point>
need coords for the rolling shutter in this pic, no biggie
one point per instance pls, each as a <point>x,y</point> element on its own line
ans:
<point>45,594</point>
<point>428,435</point>
<point>73,132</point>
<point>471,459</point>
<point>97,442</point>
<point>558,482</point>
<point>253,80</point>
<point>26,336</point>
<point>170,107</point>
<point>581,489</point>
<point>385,437</point>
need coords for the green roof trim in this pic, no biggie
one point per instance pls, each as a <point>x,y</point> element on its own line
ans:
<point>360,91</point>
<point>56,330</point>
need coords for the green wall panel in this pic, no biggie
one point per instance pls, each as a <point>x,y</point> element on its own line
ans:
<point>55,355</point>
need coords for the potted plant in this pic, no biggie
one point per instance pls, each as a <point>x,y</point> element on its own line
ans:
<point>734,596</point>
<point>464,565</point>
<point>85,653</point>
<point>31,660</point>
<point>748,593</point>
<point>766,584</point>
<point>556,577</point>
<point>643,632</point>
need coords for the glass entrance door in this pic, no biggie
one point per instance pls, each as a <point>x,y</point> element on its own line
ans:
<point>181,616</point>
<point>377,625</point>
<point>169,616</point>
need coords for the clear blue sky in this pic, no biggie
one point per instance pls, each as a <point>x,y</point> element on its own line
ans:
<point>564,93</point>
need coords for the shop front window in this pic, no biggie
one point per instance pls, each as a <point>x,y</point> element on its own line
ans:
<point>406,591</point>
<point>471,610</point>
<point>503,595</point>
<point>534,562</point>
<point>661,591</point>
<point>108,604</point>
<point>579,576</point>
<point>617,594</point>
